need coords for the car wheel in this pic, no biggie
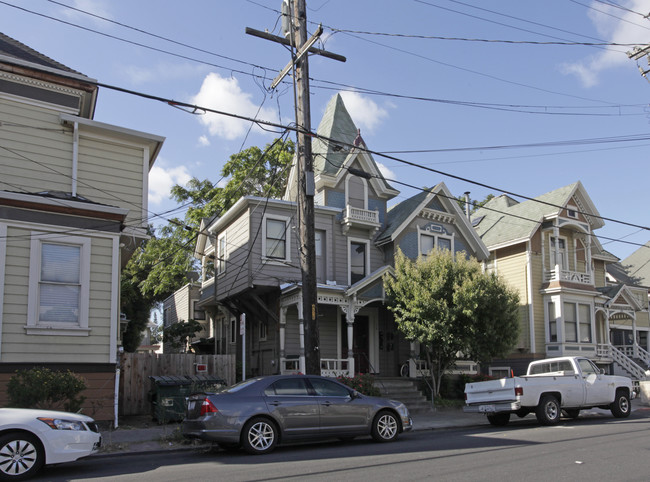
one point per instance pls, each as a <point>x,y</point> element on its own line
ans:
<point>499,419</point>
<point>385,427</point>
<point>21,456</point>
<point>621,407</point>
<point>259,436</point>
<point>548,411</point>
<point>572,412</point>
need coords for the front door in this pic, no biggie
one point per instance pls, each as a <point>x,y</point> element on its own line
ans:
<point>360,342</point>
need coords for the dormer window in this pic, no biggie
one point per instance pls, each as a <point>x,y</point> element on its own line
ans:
<point>429,240</point>
<point>356,192</point>
<point>572,212</point>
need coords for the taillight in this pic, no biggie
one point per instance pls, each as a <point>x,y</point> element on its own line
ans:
<point>208,407</point>
<point>519,391</point>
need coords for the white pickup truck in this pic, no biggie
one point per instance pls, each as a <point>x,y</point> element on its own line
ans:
<point>551,386</point>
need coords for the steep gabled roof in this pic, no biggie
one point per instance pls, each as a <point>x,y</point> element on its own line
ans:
<point>502,221</point>
<point>637,265</point>
<point>400,216</point>
<point>13,49</point>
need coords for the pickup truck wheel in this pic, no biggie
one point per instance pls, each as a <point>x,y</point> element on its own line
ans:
<point>499,419</point>
<point>621,406</point>
<point>548,411</point>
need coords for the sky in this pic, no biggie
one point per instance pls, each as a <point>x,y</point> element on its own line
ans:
<point>486,96</point>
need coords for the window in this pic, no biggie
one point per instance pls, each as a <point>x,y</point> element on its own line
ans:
<point>559,256</point>
<point>570,323</point>
<point>221,254</point>
<point>275,239</point>
<point>233,331</point>
<point>429,241</point>
<point>319,238</point>
<point>588,368</point>
<point>288,387</point>
<point>572,212</point>
<point>584,322</point>
<point>264,329</point>
<point>500,372</point>
<point>59,284</point>
<point>357,261</point>
<point>552,322</point>
<point>328,388</point>
<point>198,313</point>
<point>577,322</point>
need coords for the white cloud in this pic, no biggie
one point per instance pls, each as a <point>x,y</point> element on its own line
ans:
<point>224,94</point>
<point>616,26</point>
<point>138,75</point>
<point>385,171</point>
<point>162,180</point>
<point>204,141</point>
<point>365,113</point>
<point>95,7</point>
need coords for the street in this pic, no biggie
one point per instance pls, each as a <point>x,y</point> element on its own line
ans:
<point>583,449</point>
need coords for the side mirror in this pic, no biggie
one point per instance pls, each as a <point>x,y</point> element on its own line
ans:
<point>355,394</point>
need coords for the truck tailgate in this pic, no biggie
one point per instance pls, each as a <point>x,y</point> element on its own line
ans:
<point>490,391</point>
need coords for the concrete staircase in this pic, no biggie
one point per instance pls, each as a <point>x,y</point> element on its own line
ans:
<point>406,391</point>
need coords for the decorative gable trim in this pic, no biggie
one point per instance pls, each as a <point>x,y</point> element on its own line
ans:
<point>439,216</point>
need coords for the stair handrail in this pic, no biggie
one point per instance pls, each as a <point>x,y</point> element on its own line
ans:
<point>627,363</point>
<point>643,354</point>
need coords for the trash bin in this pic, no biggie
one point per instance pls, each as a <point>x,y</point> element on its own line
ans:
<point>168,398</point>
<point>205,383</point>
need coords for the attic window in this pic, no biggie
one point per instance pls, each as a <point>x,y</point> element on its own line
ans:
<point>572,212</point>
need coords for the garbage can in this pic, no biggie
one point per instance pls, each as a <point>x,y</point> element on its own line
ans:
<point>168,398</point>
<point>205,383</point>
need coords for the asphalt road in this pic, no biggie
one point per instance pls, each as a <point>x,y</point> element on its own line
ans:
<point>582,449</point>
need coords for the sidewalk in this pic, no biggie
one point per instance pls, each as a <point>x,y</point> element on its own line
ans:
<point>141,435</point>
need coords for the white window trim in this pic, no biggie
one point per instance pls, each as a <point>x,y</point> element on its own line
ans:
<point>564,253</point>
<point>287,240</point>
<point>435,236</point>
<point>365,190</point>
<point>34,327</point>
<point>360,241</point>
<point>570,209</point>
<point>493,369</point>
<point>220,257</point>
<point>205,314</point>
<point>592,321</point>
<point>263,331</point>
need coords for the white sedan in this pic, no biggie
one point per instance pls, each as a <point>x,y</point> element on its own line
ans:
<point>32,438</point>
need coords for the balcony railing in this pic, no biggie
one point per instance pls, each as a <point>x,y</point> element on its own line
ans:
<point>360,218</point>
<point>336,367</point>
<point>558,274</point>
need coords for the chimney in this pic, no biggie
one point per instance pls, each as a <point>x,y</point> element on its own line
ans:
<point>467,205</point>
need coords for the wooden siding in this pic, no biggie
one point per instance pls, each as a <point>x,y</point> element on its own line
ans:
<point>17,346</point>
<point>238,260</point>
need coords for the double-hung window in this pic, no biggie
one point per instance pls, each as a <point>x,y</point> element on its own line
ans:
<point>59,284</point>
<point>358,261</point>
<point>275,238</point>
<point>429,241</point>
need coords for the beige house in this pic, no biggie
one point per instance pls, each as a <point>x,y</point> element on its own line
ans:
<point>182,306</point>
<point>548,250</point>
<point>73,208</point>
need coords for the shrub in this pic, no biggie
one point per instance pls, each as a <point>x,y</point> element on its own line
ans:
<point>362,383</point>
<point>43,388</point>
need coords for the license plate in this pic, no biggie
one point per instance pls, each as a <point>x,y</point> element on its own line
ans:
<point>486,408</point>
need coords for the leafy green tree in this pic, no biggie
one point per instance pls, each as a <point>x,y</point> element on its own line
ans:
<point>453,309</point>
<point>164,263</point>
<point>474,205</point>
<point>43,388</point>
<point>180,335</point>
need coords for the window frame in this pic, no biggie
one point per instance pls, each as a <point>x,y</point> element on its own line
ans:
<point>34,324</point>
<point>195,309</point>
<point>366,243</point>
<point>287,239</point>
<point>221,251</point>
<point>435,235</point>
<point>232,336</point>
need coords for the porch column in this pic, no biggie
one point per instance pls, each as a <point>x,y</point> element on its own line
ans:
<point>301,323</point>
<point>556,235</point>
<point>350,325</point>
<point>588,258</point>
<point>283,325</point>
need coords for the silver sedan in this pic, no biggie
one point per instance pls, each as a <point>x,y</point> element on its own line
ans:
<point>259,413</point>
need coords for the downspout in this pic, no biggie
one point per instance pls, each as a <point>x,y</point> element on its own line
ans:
<point>529,294</point>
<point>75,158</point>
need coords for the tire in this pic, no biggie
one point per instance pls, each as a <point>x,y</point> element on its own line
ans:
<point>548,411</point>
<point>21,456</point>
<point>260,436</point>
<point>572,412</point>
<point>385,427</point>
<point>499,419</point>
<point>621,407</point>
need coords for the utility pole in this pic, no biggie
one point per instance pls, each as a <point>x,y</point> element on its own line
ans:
<point>297,12</point>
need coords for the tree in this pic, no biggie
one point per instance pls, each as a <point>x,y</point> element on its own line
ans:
<point>474,205</point>
<point>179,335</point>
<point>164,262</point>
<point>453,309</point>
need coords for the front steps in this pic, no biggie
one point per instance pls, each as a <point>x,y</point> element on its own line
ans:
<point>406,391</point>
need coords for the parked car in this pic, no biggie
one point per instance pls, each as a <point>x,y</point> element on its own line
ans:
<point>32,438</point>
<point>550,387</point>
<point>259,413</point>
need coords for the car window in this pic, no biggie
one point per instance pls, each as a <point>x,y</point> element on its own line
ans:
<point>288,386</point>
<point>587,367</point>
<point>328,388</point>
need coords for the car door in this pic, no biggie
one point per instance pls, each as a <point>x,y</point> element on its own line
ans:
<point>596,389</point>
<point>340,412</point>
<point>291,404</point>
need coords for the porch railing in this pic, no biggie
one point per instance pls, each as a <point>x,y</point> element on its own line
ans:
<point>335,367</point>
<point>566,275</point>
<point>629,365</point>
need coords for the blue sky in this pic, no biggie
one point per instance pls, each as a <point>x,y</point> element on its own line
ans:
<point>506,94</point>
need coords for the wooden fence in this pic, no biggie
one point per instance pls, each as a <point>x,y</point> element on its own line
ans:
<point>136,368</point>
